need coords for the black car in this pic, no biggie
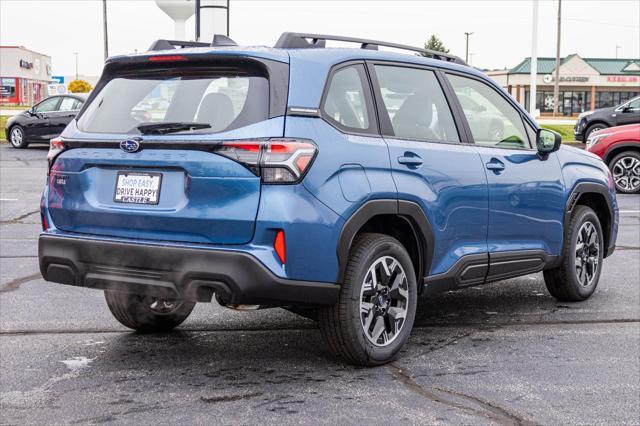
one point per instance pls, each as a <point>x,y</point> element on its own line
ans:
<point>590,121</point>
<point>43,121</point>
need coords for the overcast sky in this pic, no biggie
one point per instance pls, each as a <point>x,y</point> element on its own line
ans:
<point>502,29</point>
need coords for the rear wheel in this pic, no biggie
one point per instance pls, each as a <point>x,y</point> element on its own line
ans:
<point>576,278</point>
<point>17,137</point>
<point>147,314</point>
<point>374,315</point>
<point>625,168</point>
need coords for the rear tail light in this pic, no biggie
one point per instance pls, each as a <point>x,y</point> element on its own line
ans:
<point>275,160</point>
<point>56,146</point>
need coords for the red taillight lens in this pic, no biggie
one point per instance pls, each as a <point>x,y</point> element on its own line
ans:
<point>280,246</point>
<point>56,146</point>
<point>275,160</point>
<point>167,58</point>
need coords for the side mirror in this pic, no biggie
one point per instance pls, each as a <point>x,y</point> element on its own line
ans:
<point>548,141</point>
<point>627,109</point>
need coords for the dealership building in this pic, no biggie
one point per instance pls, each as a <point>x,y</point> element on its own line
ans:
<point>585,83</point>
<point>24,75</point>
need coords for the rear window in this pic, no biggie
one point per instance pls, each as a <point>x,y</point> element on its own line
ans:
<point>215,100</point>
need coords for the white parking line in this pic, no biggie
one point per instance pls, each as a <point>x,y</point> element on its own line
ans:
<point>8,199</point>
<point>629,211</point>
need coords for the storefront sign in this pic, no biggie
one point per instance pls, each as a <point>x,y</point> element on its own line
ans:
<point>26,64</point>
<point>622,78</point>
<point>548,78</point>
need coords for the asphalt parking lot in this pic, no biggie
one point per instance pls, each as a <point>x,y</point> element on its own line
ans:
<point>505,353</point>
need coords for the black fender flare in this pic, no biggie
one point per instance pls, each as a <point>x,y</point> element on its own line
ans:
<point>407,210</point>
<point>608,156</point>
<point>586,188</point>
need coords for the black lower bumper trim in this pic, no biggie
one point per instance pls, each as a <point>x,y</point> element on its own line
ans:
<point>174,272</point>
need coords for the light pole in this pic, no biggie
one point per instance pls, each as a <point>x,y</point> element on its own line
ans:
<point>617,47</point>
<point>556,86</point>
<point>106,38</point>
<point>466,55</point>
<point>533,86</point>
<point>76,53</point>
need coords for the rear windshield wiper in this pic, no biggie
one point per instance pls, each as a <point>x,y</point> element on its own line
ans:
<point>171,127</point>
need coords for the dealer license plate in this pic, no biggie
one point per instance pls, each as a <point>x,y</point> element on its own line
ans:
<point>138,188</point>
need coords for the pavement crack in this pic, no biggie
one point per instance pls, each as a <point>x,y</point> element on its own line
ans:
<point>304,328</point>
<point>19,218</point>
<point>15,284</point>
<point>468,403</point>
<point>229,398</point>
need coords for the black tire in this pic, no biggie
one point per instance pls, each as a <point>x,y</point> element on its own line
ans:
<point>134,311</point>
<point>343,324</point>
<point>563,282</point>
<point>17,137</point>
<point>632,184</point>
<point>591,129</point>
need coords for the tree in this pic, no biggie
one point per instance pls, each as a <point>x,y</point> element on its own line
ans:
<point>434,43</point>
<point>79,86</point>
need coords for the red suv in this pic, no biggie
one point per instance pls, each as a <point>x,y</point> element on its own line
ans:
<point>619,148</point>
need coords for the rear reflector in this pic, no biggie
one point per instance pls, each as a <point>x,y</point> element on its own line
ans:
<point>280,247</point>
<point>275,160</point>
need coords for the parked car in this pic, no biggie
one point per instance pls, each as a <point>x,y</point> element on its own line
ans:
<point>619,148</point>
<point>303,192</point>
<point>43,121</point>
<point>591,121</point>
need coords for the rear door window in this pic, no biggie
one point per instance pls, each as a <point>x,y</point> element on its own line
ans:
<point>69,104</point>
<point>492,119</point>
<point>215,101</point>
<point>347,103</point>
<point>416,105</point>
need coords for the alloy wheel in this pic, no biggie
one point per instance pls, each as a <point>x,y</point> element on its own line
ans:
<point>16,136</point>
<point>626,173</point>
<point>384,300</point>
<point>587,254</point>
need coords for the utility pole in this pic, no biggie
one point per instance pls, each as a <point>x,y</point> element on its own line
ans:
<point>106,37</point>
<point>534,61</point>
<point>76,53</point>
<point>197,20</point>
<point>466,55</point>
<point>556,86</point>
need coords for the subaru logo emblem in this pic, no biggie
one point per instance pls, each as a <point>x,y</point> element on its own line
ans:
<point>130,145</point>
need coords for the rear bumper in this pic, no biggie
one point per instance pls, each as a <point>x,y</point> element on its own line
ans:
<point>173,272</point>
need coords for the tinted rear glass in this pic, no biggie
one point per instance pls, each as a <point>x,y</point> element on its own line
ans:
<point>222,99</point>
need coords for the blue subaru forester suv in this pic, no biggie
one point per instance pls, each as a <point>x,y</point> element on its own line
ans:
<point>338,183</point>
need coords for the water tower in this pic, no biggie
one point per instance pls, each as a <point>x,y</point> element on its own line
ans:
<point>179,11</point>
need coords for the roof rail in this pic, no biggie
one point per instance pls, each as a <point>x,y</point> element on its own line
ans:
<point>218,40</point>
<point>305,41</point>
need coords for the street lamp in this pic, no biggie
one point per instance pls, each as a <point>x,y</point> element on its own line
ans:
<point>466,56</point>
<point>76,53</point>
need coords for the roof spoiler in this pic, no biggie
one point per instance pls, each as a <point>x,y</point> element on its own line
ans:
<point>310,41</point>
<point>219,40</point>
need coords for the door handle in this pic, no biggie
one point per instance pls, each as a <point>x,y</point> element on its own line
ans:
<point>410,160</point>
<point>495,165</point>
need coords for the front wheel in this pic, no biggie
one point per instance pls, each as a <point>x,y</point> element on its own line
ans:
<point>376,308</point>
<point>576,278</point>
<point>147,314</point>
<point>17,137</point>
<point>591,129</point>
<point>625,168</point>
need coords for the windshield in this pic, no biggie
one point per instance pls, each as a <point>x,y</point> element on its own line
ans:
<point>217,102</point>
